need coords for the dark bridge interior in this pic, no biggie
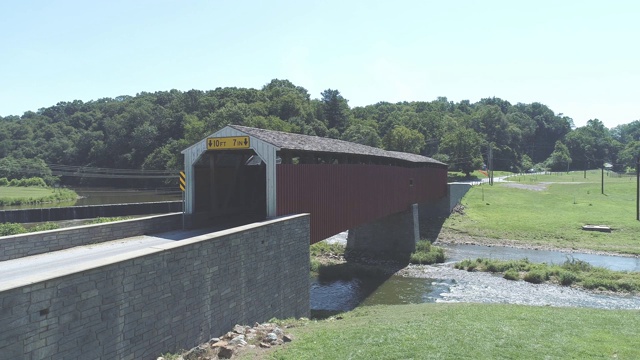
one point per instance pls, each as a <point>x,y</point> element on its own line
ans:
<point>231,184</point>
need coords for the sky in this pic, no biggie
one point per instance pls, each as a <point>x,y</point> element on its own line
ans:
<point>580,58</point>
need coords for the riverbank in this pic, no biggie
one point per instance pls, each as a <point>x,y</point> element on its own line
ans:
<point>462,331</point>
<point>549,213</point>
<point>449,291</point>
<point>453,237</point>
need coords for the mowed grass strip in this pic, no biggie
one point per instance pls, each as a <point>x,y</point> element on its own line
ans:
<point>555,215</point>
<point>16,195</point>
<point>19,192</point>
<point>467,331</point>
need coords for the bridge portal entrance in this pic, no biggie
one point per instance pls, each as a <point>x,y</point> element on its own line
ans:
<point>229,186</point>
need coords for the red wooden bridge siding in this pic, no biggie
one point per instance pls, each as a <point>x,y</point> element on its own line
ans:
<point>341,197</point>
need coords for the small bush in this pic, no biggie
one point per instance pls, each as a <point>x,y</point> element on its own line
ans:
<point>576,265</point>
<point>4,181</point>
<point>423,246</point>
<point>44,227</point>
<point>567,278</point>
<point>102,220</point>
<point>471,267</point>
<point>324,248</point>
<point>11,229</point>
<point>511,275</point>
<point>34,181</point>
<point>433,255</point>
<point>536,276</point>
<point>314,265</point>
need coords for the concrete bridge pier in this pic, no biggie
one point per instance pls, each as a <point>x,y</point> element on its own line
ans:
<point>394,234</point>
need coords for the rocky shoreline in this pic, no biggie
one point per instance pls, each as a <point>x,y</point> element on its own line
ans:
<point>241,339</point>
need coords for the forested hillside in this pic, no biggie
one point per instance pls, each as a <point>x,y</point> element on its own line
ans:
<point>148,131</point>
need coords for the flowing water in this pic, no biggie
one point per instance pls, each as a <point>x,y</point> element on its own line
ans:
<point>443,283</point>
<point>461,252</point>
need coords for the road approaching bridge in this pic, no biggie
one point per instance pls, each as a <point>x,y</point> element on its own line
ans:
<point>34,268</point>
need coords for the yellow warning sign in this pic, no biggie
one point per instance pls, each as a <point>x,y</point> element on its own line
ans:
<point>226,143</point>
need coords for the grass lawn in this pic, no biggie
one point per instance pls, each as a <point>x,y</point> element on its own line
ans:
<point>16,195</point>
<point>554,215</point>
<point>17,192</point>
<point>466,331</point>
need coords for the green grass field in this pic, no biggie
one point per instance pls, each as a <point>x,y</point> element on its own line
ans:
<point>16,195</point>
<point>466,331</point>
<point>16,192</point>
<point>554,215</point>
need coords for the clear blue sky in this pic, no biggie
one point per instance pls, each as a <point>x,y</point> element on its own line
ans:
<point>581,58</point>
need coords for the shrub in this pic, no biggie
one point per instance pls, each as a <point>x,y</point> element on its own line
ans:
<point>4,181</point>
<point>323,248</point>
<point>471,267</point>
<point>567,278</point>
<point>511,275</point>
<point>423,246</point>
<point>11,229</point>
<point>536,276</point>
<point>33,181</point>
<point>102,220</point>
<point>314,265</point>
<point>44,227</point>
<point>576,265</point>
<point>433,256</point>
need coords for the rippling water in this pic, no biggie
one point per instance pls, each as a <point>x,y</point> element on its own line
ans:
<point>442,283</point>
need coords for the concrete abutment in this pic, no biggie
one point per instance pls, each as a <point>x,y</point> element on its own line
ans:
<point>396,233</point>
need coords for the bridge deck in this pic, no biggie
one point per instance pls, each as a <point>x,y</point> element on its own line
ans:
<point>41,267</point>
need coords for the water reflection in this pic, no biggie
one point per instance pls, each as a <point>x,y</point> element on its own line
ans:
<point>104,196</point>
<point>345,295</point>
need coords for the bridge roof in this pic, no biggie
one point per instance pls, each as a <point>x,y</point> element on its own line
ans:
<point>299,142</point>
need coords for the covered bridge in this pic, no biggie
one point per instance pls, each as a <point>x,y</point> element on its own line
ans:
<point>255,173</point>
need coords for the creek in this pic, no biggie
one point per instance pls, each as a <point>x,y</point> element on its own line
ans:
<point>442,283</point>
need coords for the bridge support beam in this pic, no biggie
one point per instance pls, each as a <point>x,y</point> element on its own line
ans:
<point>394,234</point>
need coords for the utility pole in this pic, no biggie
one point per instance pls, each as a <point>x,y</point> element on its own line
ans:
<point>602,181</point>
<point>637,187</point>
<point>491,164</point>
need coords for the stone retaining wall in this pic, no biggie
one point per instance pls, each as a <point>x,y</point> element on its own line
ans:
<point>161,299</point>
<point>21,245</point>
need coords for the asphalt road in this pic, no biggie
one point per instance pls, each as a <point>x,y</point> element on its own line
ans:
<point>25,270</point>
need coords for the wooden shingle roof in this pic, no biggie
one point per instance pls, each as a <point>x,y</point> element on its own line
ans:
<point>290,141</point>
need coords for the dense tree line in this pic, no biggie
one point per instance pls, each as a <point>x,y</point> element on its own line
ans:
<point>148,131</point>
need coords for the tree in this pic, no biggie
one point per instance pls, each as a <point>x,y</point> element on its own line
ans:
<point>335,109</point>
<point>362,134</point>
<point>591,144</point>
<point>627,156</point>
<point>559,159</point>
<point>463,148</point>
<point>404,139</point>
